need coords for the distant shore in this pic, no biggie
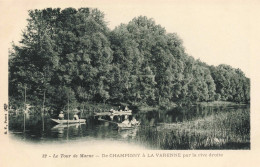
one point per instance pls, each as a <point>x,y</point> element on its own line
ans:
<point>215,103</point>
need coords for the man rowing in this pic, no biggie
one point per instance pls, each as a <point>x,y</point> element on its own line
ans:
<point>61,115</point>
<point>134,122</point>
<point>126,121</point>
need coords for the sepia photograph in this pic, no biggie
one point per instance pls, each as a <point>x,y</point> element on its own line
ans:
<point>127,80</point>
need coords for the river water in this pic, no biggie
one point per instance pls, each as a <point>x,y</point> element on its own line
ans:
<point>150,134</point>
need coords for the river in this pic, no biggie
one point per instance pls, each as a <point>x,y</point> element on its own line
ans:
<point>180,128</point>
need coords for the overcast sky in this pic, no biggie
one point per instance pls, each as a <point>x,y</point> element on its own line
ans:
<point>215,32</point>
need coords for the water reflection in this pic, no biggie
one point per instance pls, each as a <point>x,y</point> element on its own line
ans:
<point>66,130</point>
<point>151,133</point>
<point>128,133</point>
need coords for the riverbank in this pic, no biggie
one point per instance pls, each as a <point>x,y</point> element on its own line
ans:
<point>174,105</point>
<point>90,108</point>
<point>219,103</point>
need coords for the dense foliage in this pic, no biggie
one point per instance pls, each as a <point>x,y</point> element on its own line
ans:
<point>71,56</point>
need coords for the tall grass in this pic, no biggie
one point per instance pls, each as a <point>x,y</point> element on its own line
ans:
<point>229,130</point>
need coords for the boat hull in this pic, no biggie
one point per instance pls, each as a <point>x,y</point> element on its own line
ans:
<point>113,113</point>
<point>127,126</point>
<point>68,121</point>
<point>122,113</point>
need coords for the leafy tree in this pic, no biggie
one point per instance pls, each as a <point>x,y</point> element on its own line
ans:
<point>70,56</point>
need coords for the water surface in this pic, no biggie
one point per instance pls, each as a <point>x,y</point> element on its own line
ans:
<point>42,131</point>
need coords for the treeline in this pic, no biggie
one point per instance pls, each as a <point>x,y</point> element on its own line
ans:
<point>72,55</point>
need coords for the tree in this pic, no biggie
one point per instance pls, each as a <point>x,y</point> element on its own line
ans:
<point>72,51</point>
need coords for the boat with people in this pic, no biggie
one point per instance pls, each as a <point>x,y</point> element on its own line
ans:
<point>121,112</point>
<point>126,124</point>
<point>61,126</point>
<point>114,112</point>
<point>61,119</point>
<point>58,121</point>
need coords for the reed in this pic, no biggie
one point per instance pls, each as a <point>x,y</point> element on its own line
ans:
<point>229,130</point>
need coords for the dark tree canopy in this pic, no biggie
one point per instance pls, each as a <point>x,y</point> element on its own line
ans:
<point>71,53</point>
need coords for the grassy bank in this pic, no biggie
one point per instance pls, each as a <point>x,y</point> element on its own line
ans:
<point>218,103</point>
<point>222,131</point>
<point>144,108</point>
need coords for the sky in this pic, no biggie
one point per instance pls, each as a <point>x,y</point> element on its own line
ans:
<point>216,32</point>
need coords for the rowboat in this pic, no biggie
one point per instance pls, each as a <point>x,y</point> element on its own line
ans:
<point>58,121</point>
<point>128,112</point>
<point>114,113</point>
<point>123,126</point>
<point>62,126</point>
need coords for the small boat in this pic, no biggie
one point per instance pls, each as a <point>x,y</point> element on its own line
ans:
<point>114,112</point>
<point>122,125</point>
<point>127,126</point>
<point>128,112</point>
<point>62,126</point>
<point>58,121</point>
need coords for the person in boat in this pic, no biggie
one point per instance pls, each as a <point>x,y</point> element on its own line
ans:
<point>76,117</point>
<point>61,115</point>
<point>121,109</point>
<point>126,121</point>
<point>134,121</point>
<point>111,110</point>
<point>111,117</point>
<point>118,118</point>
